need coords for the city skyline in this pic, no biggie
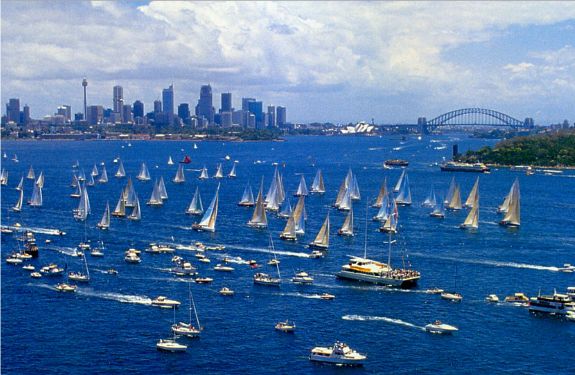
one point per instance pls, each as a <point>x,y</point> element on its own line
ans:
<point>338,62</point>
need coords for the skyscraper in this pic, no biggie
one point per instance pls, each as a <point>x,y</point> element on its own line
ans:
<point>256,108</point>
<point>127,114</point>
<point>118,99</point>
<point>205,107</point>
<point>138,109</point>
<point>226,102</point>
<point>168,99</point>
<point>13,110</point>
<point>95,114</point>
<point>281,116</point>
<point>184,112</point>
<point>246,103</point>
<point>26,111</point>
<point>271,116</point>
<point>85,84</point>
<point>157,106</point>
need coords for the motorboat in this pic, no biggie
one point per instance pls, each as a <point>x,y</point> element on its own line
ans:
<point>273,262</point>
<point>302,278</point>
<point>160,249</point>
<point>96,252</point>
<point>164,302</point>
<point>225,291</point>
<point>215,248</point>
<point>36,275</point>
<point>204,260</point>
<point>339,354</point>
<point>223,268</point>
<point>451,296</point>
<point>265,279</point>
<point>12,259</point>
<point>203,280</point>
<point>185,329</point>
<point>184,269</point>
<point>567,268</point>
<point>52,270</point>
<point>315,254</point>
<point>570,315</point>
<point>326,296</point>
<point>519,298</point>
<point>492,298</point>
<point>438,327</point>
<point>132,257</point>
<point>64,287</point>
<point>111,271</point>
<point>287,326</point>
<point>28,267</point>
<point>171,345</point>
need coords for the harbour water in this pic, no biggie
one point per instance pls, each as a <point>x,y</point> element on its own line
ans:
<point>109,325</point>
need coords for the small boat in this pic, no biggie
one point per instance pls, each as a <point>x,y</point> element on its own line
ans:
<point>28,267</point>
<point>225,291</point>
<point>316,254</point>
<point>188,329</point>
<point>98,251</point>
<point>287,326</point>
<point>233,173</point>
<point>317,187</point>
<point>111,271</point>
<point>196,207</point>
<point>273,262</point>
<point>566,268</point>
<point>302,188</point>
<point>259,218</point>
<point>247,198</point>
<point>208,221</point>
<point>223,268</point>
<point>132,257</point>
<point>347,227</point>
<point>186,160</point>
<point>451,296</point>
<point>180,177</point>
<point>321,241</point>
<point>570,315</point>
<point>144,174</point>
<point>492,298</point>
<point>219,171</point>
<point>162,301</point>
<point>203,280</point>
<point>339,354</point>
<point>396,163</point>
<point>171,345</point>
<point>440,328</point>
<point>519,298</point>
<point>204,174</point>
<point>12,259</point>
<point>302,278</point>
<point>64,287</point>
<point>120,173</point>
<point>170,161</point>
<point>52,270</point>
<point>36,275</point>
<point>158,248</point>
<point>326,296</point>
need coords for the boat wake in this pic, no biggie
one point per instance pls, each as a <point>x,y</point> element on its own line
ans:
<point>50,231</point>
<point>70,251</point>
<point>492,263</point>
<point>379,288</point>
<point>124,298</point>
<point>382,318</point>
<point>301,295</point>
<point>268,251</point>
<point>236,260</point>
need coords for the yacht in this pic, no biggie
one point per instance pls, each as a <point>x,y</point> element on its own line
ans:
<point>326,296</point>
<point>265,279</point>
<point>185,329</point>
<point>302,278</point>
<point>556,304</point>
<point>451,296</point>
<point>171,345</point>
<point>63,287</point>
<point>339,354</point>
<point>287,326</point>
<point>519,298</point>
<point>159,249</point>
<point>371,271</point>
<point>440,328</point>
<point>492,298</point>
<point>223,268</point>
<point>184,269</point>
<point>52,270</point>
<point>225,291</point>
<point>132,257</point>
<point>164,302</point>
<point>203,280</point>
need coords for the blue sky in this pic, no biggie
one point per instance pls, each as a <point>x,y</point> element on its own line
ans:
<point>325,61</point>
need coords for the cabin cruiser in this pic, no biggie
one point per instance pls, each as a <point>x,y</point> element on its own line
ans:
<point>203,280</point>
<point>13,259</point>
<point>184,269</point>
<point>339,354</point>
<point>52,270</point>
<point>96,252</point>
<point>36,275</point>
<point>315,254</point>
<point>185,329</point>
<point>519,298</point>
<point>265,279</point>
<point>28,267</point>
<point>132,257</point>
<point>451,296</point>
<point>371,271</point>
<point>440,328</point>
<point>225,291</point>
<point>220,267</point>
<point>492,298</point>
<point>159,249</point>
<point>285,326</point>
<point>556,304</point>
<point>302,278</point>
<point>164,302</point>
<point>63,287</point>
<point>171,345</point>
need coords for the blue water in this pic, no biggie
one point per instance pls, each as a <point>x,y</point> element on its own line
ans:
<point>108,326</point>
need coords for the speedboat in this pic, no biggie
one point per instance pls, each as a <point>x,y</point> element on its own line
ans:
<point>273,262</point>
<point>36,275</point>
<point>225,291</point>
<point>132,257</point>
<point>315,254</point>
<point>185,329</point>
<point>52,270</point>
<point>492,298</point>
<point>302,278</point>
<point>171,345</point>
<point>519,298</point>
<point>112,271</point>
<point>203,280</point>
<point>326,296</point>
<point>63,287</point>
<point>28,267</point>
<point>220,267</point>
<point>440,328</point>
<point>567,268</point>
<point>452,296</point>
<point>285,326</point>
<point>164,302</point>
<point>339,354</point>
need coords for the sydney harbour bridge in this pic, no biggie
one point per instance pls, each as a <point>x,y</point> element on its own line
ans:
<point>476,117</point>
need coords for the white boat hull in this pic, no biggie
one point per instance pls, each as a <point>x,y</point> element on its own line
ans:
<point>380,280</point>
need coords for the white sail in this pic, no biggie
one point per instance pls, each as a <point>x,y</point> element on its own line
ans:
<point>105,220</point>
<point>247,197</point>
<point>36,199</point>
<point>162,188</point>
<point>40,180</point>
<point>81,176</point>
<point>473,195</point>
<point>398,184</point>
<point>144,174</point>
<point>208,221</point>
<point>31,175</point>
<point>289,230</point>
<point>4,177</point>
<point>180,178</point>
<point>438,209</point>
<point>170,161</point>
<point>204,174</point>
<point>94,172</point>
<point>299,215</point>
<point>355,195</point>
<point>340,194</point>
<point>136,212</point>
<point>450,192</point>
<point>322,238</point>
<point>232,173</point>
<point>219,171</point>
<point>347,227</point>
<point>504,207</point>
<point>318,185</point>
<point>390,224</point>
<point>120,210</point>
<point>83,209</point>
<point>129,194</point>
<point>120,172</point>
<point>381,195</point>
<point>77,192</point>
<point>20,184</point>
<point>155,198</point>
<point>286,209</point>
<point>272,195</point>
<point>75,181</point>
<point>302,188</point>
<point>104,176</point>
<point>272,201</point>
<point>196,207</point>
<point>383,212</point>
<point>345,204</point>
<point>472,219</point>
<point>281,191</point>
<point>431,200</point>
<point>404,196</point>
<point>513,214</point>
<point>259,218</point>
<point>18,206</point>
<point>455,202</point>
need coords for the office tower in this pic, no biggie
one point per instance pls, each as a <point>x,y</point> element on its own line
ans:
<point>26,112</point>
<point>78,117</point>
<point>168,102</point>
<point>271,116</point>
<point>138,109</point>
<point>226,119</point>
<point>184,111</point>
<point>13,110</point>
<point>118,99</point>
<point>280,116</point>
<point>238,118</point>
<point>127,114</point>
<point>226,102</point>
<point>95,114</point>
<point>205,107</point>
<point>85,84</point>
<point>251,120</point>
<point>246,103</point>
<point>256,108</point>
<point>65,111</point>
<point>157,106</point>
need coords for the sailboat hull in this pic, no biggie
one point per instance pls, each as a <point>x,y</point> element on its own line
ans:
<point>201,228</point>
<point>378,279</point>
<point>509,224</point>
<point>318,246</point>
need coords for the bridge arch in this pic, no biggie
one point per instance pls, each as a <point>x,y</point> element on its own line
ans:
<point>474,117</point>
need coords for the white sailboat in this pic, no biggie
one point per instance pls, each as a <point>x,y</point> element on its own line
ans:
<point>208,222</point>
<point>136,214</point>
<point>340,194</point>
<point>219,171</point>
<point>381,195</point>
<point>170,161</point>
<point>317,187</point>
<point>104,176</point>
<point>285,210</point>
<point>399,182</point>
<point>321,241</point>
<point>36,200</point>
<point>83,209</point>
<point>454,203</point>
<point>40,180</point>
<point>120,210</point>
<point>383,212</point>
<point>347,227</point>
<point>90,181</point>
<point>31,175</point>
<point>247,197</point>
<point>79,276</point>
<point>94,172</point>
<point>162,187</point>
<point>472,219</point>
<point>512,217</point>
<point>105,220</point>
<point>81,176</point>
<point>276,194</point>
<point>78,191</point>
<point>155,198</point>
<point>390,225</point>
<point>302,188</point>
<point>188,329</point>
<point>232,173</point>
<point>121,172</point>
<point>351,183</point>
<point>265,279</point>
<point>18,206</point>
<point>299,215</point>
<point>438,210</point>
<point>4,177</point>
<point>288,232</point>
<point>259,219</point>
<point>204,174</point>
<point>473,195</point>
<point>345,204</point>
<point>179,178</point>
<point>144,174</point>
<point>129,194</point>
<point>431,200</point>
<point>20,185</point>
<point>450,191</point>
<point>404,196</point>
<point>196,207</point>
